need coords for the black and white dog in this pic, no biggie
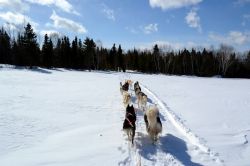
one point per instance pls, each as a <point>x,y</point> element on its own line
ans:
<point>129,123</point>
<point>124,87</point>
<point>137,88</point>
<point>141,97</point>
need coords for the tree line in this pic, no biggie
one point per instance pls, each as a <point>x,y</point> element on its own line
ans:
<point>24,50</point>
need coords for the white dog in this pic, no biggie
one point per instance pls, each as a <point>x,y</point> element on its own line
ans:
<point>126,99</point>
<point>153,122</point>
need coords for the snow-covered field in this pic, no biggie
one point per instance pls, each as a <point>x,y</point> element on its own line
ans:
<point>74,118</point>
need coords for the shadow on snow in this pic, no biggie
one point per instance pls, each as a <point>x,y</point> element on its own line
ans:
<point>177,148</point>
<point>168,144</point>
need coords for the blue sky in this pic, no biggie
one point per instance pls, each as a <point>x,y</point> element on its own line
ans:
<point>136,23</point>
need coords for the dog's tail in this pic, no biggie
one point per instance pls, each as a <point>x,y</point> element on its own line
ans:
<point>152,114</point>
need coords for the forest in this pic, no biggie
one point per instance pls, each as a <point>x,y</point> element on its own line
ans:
<point>60,52</point>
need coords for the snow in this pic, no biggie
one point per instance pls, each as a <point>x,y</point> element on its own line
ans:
<point>68,118</point>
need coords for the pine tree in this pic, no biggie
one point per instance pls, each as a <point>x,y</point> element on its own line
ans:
<point>89,51</point>
<point>47,52</point>
<point>5,48</point>
<point>156,54</point>
<point>81,55</point>
<point>121,63</point>
<point>112,57</point>
<point>30,46</point>
<point>65,52</point>
<point>74,54</point>
<point>57,62</point>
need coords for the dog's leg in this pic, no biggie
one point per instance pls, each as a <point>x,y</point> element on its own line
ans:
<point>133,136</point>
<point>146,122</point>
<point>128,134</point>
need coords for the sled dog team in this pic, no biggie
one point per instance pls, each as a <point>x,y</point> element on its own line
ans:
<point>151,113</point>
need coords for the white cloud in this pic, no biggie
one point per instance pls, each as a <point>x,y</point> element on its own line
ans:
<point>15,19</point>
<point>131,30</point>
<point>148,29</point>
<point>193,20</point>
<point>246,19</point>
<point>49,32</point>
<point>14,5</point>
<point>109,13</point>
<point>242,1</point>
<point>64,5</point>
<point>172,4</point>
<point>170,18</point>
<point>233,37</point>
<point>246,16</point>
<point>60,22</point>
<point>9,26</point>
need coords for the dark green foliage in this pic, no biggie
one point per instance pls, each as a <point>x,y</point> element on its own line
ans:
<point>24,51</point>
<point>156,56</point>
<point>30,47</point>
<point>89,54</point>
<point>121,63</point>
<point>5,48</point>
<point>47,52</point>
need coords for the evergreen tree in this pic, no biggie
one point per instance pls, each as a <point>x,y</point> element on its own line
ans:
<point>19,51</point>
<point>89,51</point>
<point>113,58</point>
<point>5,48</point>
<point>156,54</point>
<point>24,50</point>
<point>57,54</point>
<point>14,53</point>
<point>121,63</point>
<point>65,52</point>
<point>47,52</point>
<point>74,54</point>
<point>30,46</point>
<point>80,53</point>
<point>136,59</point>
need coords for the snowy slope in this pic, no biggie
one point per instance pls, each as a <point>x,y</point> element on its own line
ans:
<point>61,117</point>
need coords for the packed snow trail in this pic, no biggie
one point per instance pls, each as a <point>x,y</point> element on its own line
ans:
<point>172,146</point>
<point>176,121</point>
<point>144,151</point>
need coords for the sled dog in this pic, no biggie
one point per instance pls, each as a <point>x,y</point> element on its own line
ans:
<point>130,82</point>
<point>129,123</point>
<point>126,99</point>
<point>123,87</point>
<point>153,122</point>
<point>142,99</point>
<point>136,85</point>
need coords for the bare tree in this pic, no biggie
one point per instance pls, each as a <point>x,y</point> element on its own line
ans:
<point>224,54</point>
<point>54,38</point>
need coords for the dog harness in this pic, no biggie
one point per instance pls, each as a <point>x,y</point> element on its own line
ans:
<point>128,113</point>
<point>129,122</point>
